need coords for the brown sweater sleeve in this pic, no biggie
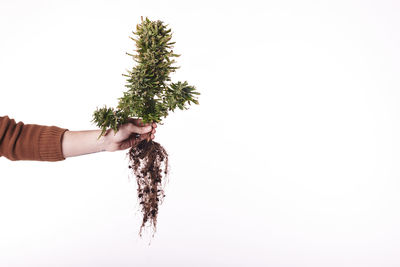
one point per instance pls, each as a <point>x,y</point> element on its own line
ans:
<point>19,141</point>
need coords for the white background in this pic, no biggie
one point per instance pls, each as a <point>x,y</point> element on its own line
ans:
<point>291,158</point>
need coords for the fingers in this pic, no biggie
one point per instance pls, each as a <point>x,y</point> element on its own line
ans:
<point>147,135</point>
<point>150,135</point>
<point>133,141</point>
<point>137,129</point>
<point>145,131</point>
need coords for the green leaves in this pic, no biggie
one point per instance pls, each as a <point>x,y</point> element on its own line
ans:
<point>106,118</point>
<point>149,96</point>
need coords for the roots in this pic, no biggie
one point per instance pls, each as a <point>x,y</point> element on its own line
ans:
<point>146,160</point>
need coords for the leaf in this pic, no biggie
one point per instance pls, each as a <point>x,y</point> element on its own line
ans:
<point>148,94</point>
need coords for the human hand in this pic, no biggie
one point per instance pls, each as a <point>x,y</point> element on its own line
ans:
<point>126,135</point>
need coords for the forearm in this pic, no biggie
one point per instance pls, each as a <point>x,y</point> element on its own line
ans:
<point>76,143</point>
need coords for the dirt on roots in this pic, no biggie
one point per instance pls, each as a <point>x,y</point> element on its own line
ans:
<point>149,161</point>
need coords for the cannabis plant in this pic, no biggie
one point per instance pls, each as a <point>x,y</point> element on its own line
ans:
<point>150,96</point>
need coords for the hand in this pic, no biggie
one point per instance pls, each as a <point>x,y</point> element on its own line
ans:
<point>126,135</point>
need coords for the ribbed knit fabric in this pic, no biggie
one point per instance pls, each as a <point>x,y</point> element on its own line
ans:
<point>19,141</point>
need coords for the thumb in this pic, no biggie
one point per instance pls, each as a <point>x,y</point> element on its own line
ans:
<point>140,130</point>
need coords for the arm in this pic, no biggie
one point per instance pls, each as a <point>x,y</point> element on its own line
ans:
<point>76,143</point>
<point>19,141</point>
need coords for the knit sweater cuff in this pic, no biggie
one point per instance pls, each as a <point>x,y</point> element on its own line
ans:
<point>50,143</point>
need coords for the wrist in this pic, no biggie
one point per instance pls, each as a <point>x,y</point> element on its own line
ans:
<point>101,143</point>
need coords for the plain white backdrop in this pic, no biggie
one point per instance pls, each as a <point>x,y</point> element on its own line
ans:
<point>291,158</point>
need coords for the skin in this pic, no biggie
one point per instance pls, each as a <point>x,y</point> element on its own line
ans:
<point>77,143</point>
